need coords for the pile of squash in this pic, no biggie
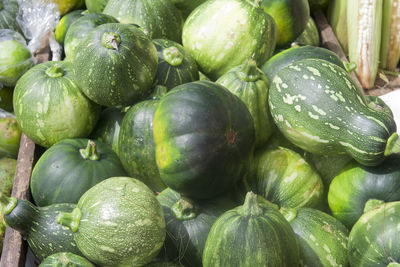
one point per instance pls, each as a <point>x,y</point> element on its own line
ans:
<point>199,133</point>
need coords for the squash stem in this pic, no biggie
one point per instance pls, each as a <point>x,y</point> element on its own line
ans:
<point>55,71</point>
<point>172,55</point>
<point>392,145</point>
<point>372,204</point>
<point>184,209</point>
<point>70,219</point>
<point>251,206</point>
<point>8,203</point>
<point>288,213</point>
<point>90,152</point>
<point>249,72</point>
<point>349,66</point>
<point>110,40</point>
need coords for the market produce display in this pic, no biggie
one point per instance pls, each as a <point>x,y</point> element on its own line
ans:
<point>199,133</point>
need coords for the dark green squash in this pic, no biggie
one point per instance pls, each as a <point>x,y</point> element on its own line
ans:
<point>108,127</point>
<point>204,137</point>
<point>136,144</point>
<point>128,57</point>
<point>49,105</point>
<point>39,227</point>
<point>374,240</point>
<point>160,18</point>
<point>80,28</point>
<point>291,17</point>
<point>322,238</point>
<point>310,35</point>
<point>187,6</point>
<point>175,65</point>
<point>254,234</point>
<point>293,54</point>
<point>356,184</point>
<point>221,38</point>
<point>6,98</point>
<point>65,259</point>
<point>8,15</point>
<point>64,24</point>
<point>69,168</point>
<point>319,108</point>
<point>188,223</point>
<point>123,219</point>
<point>283,177</point>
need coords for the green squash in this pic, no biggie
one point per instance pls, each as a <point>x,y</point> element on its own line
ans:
<point>296,53</point>
<point>356,184</point>
<point>123,219</point>
<point>38,226</point>
<point>159,18</point>
<point>204,137</point>
<point>322,238</point>
<point>188,223</point>
<point>10,136</point>
<point>6,98</point>
<point>378,104</point>
<point>283,177</point>
<point>49,105</point>
<point>319,108</point>
<point>291,17</point>
<point>220,38</point>
<point>96,6</point>
<point>65,23</point>
<point>374,239</point>
<point>80,28</point>
<point>187,6</point>
<point>310,35</point>
<point>8,15</point>
<point>136,145</point>
<point>15,57</point>
<point>69,168</point>
<point>250,84</point>
<point>175,65</point>
<point>254,234</point>
<point>65,259</point>
<point>108,127</point>
<point>128,57</point>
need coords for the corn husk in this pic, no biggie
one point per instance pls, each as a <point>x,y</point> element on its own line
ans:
<point>390,46</point>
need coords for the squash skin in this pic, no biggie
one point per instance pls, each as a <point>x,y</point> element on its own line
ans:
<point>43,110</point>
<point>8,15</point>
<point>65,259</point>
<point>63,175</point>
<point>331,117</point>
<point>96,6</point>
<point>64,24</point>
<point>131,66</point>
<point>204,138</point>
<point>374,239</point>
<point>356,184</point>
<point>310,35</point>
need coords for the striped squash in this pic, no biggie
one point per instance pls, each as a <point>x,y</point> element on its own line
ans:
<point>319,108</point>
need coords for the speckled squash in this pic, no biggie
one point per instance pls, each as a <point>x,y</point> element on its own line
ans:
<point>220,38</point>
<point>39,227</point>
<point>175,65</point>
<point>374,240</point>
<point>250,84</point>
<point>124,220</point>
<point>254,234</point>
<point>319,108</point>
<point>49,105</point>
<point>65,259</point>
<point>356,184</point>
<point>160,18</point>
<point>204,137</point>
<point>128,57</point>
<point>322,238</point>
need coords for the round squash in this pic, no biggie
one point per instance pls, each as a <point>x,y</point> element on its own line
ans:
<point>204,137</point>
<point>356,184</point>
<point>66,259</point>
<point>80,28</point>
<point>250,84</point>
<point>69,168</point>
<point>322,238</point>
<point>222,34</point>
<point>127,56</point>
<point>159,18</point>
<point>175,65</point>
<point>64,24</point>
<point>254,234</point>
<point>49,106</point>
<point>123,219</point>
<point>374,240</point>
